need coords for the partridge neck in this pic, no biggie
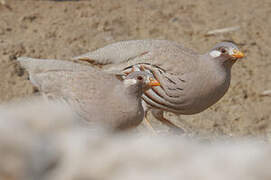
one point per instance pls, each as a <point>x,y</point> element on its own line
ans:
<point>221,63</point>
<point>135,90</point>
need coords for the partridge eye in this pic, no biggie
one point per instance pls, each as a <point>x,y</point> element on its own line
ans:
<point>140,78</point>
<point>222,50</point>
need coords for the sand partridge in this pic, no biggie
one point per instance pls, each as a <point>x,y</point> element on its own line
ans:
<point>190,82</point>
<point>97,96</point>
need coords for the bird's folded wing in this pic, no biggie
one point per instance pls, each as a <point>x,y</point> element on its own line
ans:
<point>49,82</point>
<point>120,52</point>
<point>33,65</point>
<point>74,84</point>
<point>120,55</point>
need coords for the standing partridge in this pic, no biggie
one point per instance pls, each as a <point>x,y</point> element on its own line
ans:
<point>190,82</point>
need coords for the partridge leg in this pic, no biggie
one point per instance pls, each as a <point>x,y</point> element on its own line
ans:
<point>158,114</point>
<point>148,124</point>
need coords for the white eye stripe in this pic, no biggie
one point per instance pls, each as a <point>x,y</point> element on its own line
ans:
<point>215,53</point>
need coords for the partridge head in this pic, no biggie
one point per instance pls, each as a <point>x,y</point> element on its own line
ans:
<point>141,79</point>
<point>226,53</point>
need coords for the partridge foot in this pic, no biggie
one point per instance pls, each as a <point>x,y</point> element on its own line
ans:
<point>148,124</point>
<point>158,114</point>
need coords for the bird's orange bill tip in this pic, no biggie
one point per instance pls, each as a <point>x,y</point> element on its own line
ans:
<point>238,54</point>
<point>154,82</point>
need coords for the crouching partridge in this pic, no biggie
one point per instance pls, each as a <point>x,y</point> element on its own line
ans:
<point>98,97</point>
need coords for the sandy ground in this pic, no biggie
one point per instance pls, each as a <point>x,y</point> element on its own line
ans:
<point>51,29</point>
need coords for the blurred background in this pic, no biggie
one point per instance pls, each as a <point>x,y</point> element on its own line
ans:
<point>62,29</point>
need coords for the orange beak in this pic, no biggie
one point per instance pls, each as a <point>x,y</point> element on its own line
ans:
<point>154,82</point>
<point>238,54</point>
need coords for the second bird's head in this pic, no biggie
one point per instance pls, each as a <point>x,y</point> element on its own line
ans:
<point>142,79</point>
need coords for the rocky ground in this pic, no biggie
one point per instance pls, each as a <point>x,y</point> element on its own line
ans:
<point>42,140</point>
<point>62,29</point>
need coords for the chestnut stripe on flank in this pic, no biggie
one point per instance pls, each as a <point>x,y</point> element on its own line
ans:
<point>155,100</point>
<point>164,95</point>
<point>161,101</point>
<point>159,106</point>
<point>153,104</point>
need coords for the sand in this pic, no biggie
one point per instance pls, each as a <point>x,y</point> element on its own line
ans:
<point>62,29</point>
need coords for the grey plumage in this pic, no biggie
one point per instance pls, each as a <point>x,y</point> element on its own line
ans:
<point>190,82</point>
<point>99,97</point>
